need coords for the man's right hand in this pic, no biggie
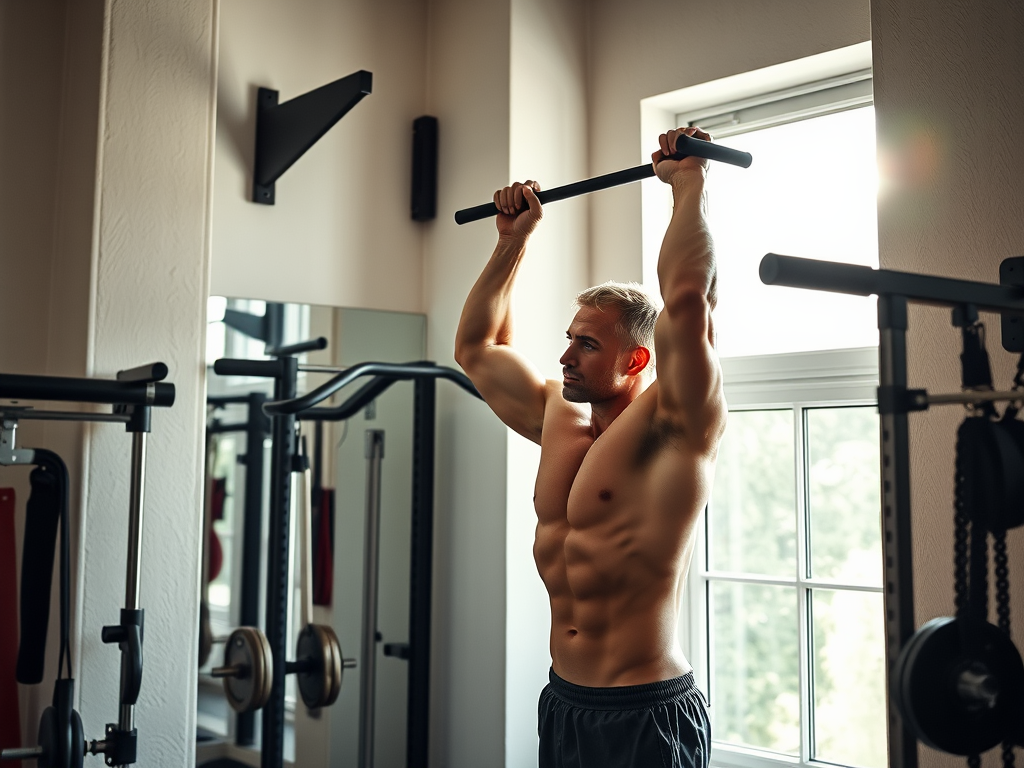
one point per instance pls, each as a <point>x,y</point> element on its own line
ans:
<point>520,208</point>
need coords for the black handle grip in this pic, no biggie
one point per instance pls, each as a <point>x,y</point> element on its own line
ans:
<point>227,366</point>
<point>42,514</point>
<point>144,373</point>
<point>686,146</point>
<point>312,345</point>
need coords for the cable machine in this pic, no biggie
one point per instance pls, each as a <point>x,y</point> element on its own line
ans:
<point>955,684</point>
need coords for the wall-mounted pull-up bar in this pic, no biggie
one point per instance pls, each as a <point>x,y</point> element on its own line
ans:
<point>285,131</point>
<point>686,146</point>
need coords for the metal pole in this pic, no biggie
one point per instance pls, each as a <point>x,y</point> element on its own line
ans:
<point>278,549</point>
<point>371,554</point>
<point>136,504</point>
<point>421,572</point>
<point>897,563</point>
<point>257,429</point>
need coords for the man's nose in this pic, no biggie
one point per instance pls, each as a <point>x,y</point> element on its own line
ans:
<point>566,357</point>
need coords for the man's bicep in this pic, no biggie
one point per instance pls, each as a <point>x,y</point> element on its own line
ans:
<point>689,375</point>
<point>512,387</point>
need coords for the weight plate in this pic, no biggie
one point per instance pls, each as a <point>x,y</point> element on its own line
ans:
<point>336,664</point>
<point>929,673</point>
<point>248,650</point>
<point>319,679</point>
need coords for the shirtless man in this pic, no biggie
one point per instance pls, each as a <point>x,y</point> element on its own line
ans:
<point>626,466</point>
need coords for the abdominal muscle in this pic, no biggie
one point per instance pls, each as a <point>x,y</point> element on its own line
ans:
<point>613,616</point>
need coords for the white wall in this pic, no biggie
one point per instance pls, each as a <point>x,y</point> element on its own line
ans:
<point>468,91</point>
<point>340,232</point>
<point>151,262</point>
<point>948,115</point>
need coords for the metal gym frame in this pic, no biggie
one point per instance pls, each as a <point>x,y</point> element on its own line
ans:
<point>895,290</point>
<point>133,396</point>
<point>417,650</point>
<point>286,409</point>
<point>257,428</point>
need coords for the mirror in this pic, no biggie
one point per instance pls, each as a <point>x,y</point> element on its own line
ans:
<point>238,527</point>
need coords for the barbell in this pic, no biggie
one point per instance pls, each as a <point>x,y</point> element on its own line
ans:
<point>319,665</point>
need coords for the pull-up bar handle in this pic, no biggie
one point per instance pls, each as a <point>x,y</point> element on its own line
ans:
<point>70,390</point>
<point>398,371</point>
<point>864,281</point>
<point>144,373</point>
<point>686,146</point>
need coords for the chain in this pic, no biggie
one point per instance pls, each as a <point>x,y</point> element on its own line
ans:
<point>1008,757</point>
<point>1002,582</point>
<point>1003,612</point>
<point>960,521</point>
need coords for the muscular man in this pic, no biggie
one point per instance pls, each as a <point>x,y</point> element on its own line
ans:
<point>626,466</point>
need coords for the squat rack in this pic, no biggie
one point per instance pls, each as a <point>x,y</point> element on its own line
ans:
<point>895,290</point>
<point>133,395</point>
<point>286,409</point>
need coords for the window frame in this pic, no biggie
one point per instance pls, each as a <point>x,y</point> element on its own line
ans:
<point>819,379</point>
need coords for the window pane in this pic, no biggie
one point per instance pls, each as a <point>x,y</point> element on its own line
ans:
<point>755,693</point>
<point>849,678</point>
<point>752,521</point>
<point>810,192</point>
<point>845,496</point>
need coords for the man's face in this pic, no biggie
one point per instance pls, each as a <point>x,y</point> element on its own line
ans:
<point>594,364</point>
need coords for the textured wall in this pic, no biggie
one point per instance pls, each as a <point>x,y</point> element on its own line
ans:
<point>340,233</point>
<point>151,273</point>
<point>948,112</point>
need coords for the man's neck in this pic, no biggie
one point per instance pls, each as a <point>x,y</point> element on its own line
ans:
<point>604,413</point>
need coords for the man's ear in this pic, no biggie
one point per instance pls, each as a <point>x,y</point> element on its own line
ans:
<point>638,360</point>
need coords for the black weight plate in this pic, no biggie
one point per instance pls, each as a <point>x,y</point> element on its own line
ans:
<point>930,702</point>
<point>77,741</point>
<point>47,739</point>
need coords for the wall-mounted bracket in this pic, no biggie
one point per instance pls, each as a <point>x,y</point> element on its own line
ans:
<point>285,131</point>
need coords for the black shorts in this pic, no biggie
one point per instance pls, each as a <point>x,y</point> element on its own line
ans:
<point>657,725</point>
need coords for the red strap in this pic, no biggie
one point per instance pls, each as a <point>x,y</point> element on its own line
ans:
<point>10,723</point>
<point>323,558</point>
<point>220,494</point>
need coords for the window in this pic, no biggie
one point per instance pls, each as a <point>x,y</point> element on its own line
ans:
<point>786,591</point>
<point>783,617</point>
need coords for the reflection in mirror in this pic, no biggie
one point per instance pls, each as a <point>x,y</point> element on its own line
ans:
<point>240,543</point>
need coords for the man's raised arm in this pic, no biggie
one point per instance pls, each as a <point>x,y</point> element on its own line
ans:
<point>510,385</point>
<point>689,376</point>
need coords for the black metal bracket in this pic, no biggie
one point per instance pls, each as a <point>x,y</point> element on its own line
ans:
<point>128,635</point>
<point>1011,272</point>
<point>121,746</point>
<point>285,131</point>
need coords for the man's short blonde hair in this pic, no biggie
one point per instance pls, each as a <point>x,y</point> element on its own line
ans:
<point>637,311</point>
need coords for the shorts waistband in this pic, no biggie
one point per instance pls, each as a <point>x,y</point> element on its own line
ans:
<point>621,697</point>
